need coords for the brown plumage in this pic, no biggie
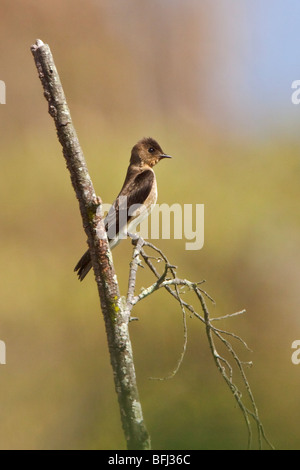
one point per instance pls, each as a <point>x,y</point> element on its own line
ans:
<point>135,200</point>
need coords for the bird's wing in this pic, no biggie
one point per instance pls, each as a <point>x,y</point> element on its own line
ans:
<point>121,212</point>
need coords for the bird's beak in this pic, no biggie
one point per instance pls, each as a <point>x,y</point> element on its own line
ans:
<point>165,156</point>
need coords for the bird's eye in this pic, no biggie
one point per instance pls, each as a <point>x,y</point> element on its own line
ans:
<point>151,150</point>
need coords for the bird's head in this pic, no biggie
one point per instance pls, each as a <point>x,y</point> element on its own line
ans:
<point>147,152</point>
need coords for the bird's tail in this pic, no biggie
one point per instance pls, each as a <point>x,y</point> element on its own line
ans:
<point>83,266</point>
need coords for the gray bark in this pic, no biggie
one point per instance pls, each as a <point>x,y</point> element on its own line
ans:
<point>115,310</point>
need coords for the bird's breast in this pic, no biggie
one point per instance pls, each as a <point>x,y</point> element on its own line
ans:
<point>143,210</point>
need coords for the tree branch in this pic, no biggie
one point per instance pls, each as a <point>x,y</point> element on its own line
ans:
<point>223,365</point>
<point>116,315</point>
<point>117,310</point>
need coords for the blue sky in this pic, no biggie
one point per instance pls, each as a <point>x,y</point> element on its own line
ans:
<point>265,37</point>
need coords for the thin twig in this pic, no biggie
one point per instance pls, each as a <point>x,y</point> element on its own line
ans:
<point>156,285</point>
<point>223,365</point>
<point>230,315</point>
<point>133,272</point>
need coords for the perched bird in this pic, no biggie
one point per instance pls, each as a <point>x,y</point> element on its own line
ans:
<point>135,200</point>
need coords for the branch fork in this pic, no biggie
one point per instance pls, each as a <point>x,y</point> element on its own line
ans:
<point>117,310</point>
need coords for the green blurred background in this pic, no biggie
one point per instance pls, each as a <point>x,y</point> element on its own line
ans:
<point>211,81</point>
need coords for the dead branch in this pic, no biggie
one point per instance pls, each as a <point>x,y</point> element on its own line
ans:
<point>115,312</point>
<point>223,365</point>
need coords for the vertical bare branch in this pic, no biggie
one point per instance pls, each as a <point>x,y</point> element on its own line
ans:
<point>116,315</point>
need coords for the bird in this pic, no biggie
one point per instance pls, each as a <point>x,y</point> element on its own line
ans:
<point>134,202</point>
